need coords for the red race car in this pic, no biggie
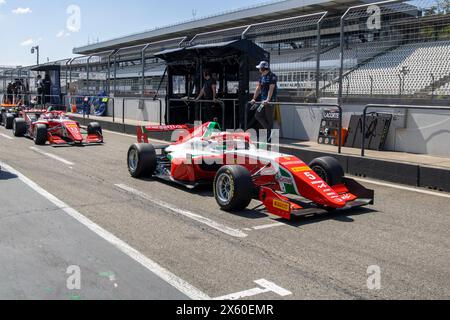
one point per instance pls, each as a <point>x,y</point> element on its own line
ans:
<point>54,127</point>
<point>240,171</point>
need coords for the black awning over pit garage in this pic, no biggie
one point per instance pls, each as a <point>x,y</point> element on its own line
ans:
<point>45,68</point>
<point>231,63</point>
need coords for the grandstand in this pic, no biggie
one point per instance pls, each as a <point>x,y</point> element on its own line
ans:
<point>409,69</point>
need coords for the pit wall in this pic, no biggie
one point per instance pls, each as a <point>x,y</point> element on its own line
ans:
<point>135,109</point>
<point>412,131</point>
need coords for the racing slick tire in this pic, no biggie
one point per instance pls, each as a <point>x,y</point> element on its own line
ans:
<point>40,134</point>
<point>233,188</point>
<point>19,127</point>
<point>94,128</point>
<point>9,119</point>
<point>329,169</point>
<point>142,160</point>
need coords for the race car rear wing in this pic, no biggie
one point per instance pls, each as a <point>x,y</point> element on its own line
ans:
<point>166,132</point>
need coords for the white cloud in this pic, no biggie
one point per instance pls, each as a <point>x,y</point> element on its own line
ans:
<point>62,34</point>
<point>22,10</point>
<point>30,42</point>
<point>2,2</point>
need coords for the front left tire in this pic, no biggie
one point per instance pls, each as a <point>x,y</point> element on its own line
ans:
<point>233,188</point>
<point>40,134</point>
<point>19,127</point>
<point>9,121</point>
<point>94,128</point>
<point>142,160</point>
<point>329,170</point>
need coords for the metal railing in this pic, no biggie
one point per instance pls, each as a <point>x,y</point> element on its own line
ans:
<point>389,106</point>
<point>27,97</point>
<point>306,105</point>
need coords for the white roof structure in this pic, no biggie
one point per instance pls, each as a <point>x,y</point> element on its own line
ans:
<point>265,12</point>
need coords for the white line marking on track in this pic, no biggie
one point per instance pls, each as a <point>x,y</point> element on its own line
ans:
<point>54,157</point>
<point>6,136</point>
<point>176,282</point>
<point>395,186</point>
<point>120,133</point>
<point>215,225</point>
<point>265,287</point>
<point>269,226</point>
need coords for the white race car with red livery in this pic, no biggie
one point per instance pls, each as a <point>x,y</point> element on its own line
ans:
<point>240,172</point>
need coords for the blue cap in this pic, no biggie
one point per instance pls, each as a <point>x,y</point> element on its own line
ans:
<point>263,65</point>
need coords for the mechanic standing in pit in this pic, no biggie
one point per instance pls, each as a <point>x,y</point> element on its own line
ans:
<point>209,92</point>
<point>10,93</point>
<point>267,89</point>
<point>40,89</point>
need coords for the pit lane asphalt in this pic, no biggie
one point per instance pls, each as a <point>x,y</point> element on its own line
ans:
<point>405,233</point>
<point>40,245</point>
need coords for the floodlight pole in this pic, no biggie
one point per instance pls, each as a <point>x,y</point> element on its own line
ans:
<point>37,53</point>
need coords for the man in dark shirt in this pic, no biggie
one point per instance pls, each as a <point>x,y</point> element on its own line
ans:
<point>267,90</point>
<point>40,89</point>
<point>10,93</point>
<point>209,92</point>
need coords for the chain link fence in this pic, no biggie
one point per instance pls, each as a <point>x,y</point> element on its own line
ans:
<point>394,50</point>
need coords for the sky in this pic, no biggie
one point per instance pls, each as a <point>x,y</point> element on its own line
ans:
<point>58,26</point>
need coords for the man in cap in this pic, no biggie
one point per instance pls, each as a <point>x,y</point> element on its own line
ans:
<point>209,92</point>
<point>267,90</point>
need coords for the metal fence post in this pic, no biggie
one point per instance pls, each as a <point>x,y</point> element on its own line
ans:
<point>319,52</point>
<point>371,85</point>
<point>88,74</point>
<point>341,71</point>
<point>432,87</point>
<point>143,68</point>
<point>115,72</point>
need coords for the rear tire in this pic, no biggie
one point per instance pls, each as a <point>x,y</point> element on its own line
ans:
<point>9,119</point>
<point>40,134</point>
<point>94,128</point>
<point>142,160</point>
<point>19,127</point>
<point>233,188</point>
<point>329,169</point>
